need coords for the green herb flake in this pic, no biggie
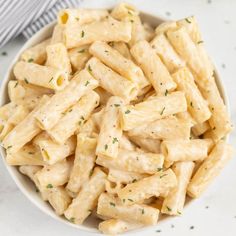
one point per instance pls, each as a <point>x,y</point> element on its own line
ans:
<point>89,68</point>
<point>31,153</point>
<point>31,60</point>
<point>49,186</point>
<point>168,208</point>
<point>191,104</point>
<point>50,80</point>
<point>142,211</point>
<point>36,190</point>
<point>16,84</point>
<point>72,219</point>
<point>116,105</point>
<point>199,42</point>
<point>82,118</point>
<point>163,176</point>
<point>179,212</point>
<point>158,231</point>
<point>105,146</point>
<point>161,113</point>
<point>26,81</point>
<point>123,200</point>
<point>132,21</point>
<point>87,82</point>
<point>77,18</point>
<point>112,204</point>
<point>134,180</point>
<point>115,140</point>
<point>9,147</point>
<point>166,92</point>
<point>130,200</point>
<point>187,20</point>
<point>81,51</point>
<point>82,34</point>
<point>127,112</point>
<point>159,169</point>
<point>91,172</point>
<point>130,13</point>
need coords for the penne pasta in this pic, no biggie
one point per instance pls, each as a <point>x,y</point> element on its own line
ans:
<point>165,26</point>
<point>74,117</point>
<point>167,128</point>
<point>209,169</point>
<point>117,62</point>
<point>112,207</point>
<point>51,112</point>
<point>122,48</point>
<point>111,81</point>
<point>57,34</point>
<point>197,106</point>
<point>83,163</point>
<point>173,204</point>
<point>76,35</point>
<point>186,150</point>
<point>200,128</point>
<point>87,198</point>
<point>156,108</point>
<point>53,152</point>
<point>153,67</point>
<point>110,130</point>
<point>134,161</point>
<point>159,184</point>
<point>166,52</point>
<point>44,76</point>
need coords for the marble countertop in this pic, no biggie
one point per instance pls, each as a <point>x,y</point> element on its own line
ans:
<point>215,212</point>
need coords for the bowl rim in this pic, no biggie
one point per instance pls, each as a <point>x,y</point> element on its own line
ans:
<point>38,37</point>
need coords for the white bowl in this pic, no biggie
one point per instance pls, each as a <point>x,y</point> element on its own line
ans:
<point>23,182</point>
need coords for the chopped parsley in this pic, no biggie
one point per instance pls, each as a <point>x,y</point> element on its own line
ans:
<point>9,147</point>
<point>72,219</point>
<point>87,82</point>
<point>82,118</point>
<point>26,81</point>
<point>50,80</point>
<point>31,153</point>
<point>127,112</point>
<point>161,113</point>
<point>134,180</point>
<point>49,186</point>
<point>142,211</point>
<point>166,92</point>
<point>91,172</point>
<point>36,190</point>
<point>81,51</point>
<point>130,13</point>
<point>112,204</point>
<point>82,34</point>
<point>163,176</point>
<point>16,84</point>
<point>132,21</point>
<point>106,51</point>
<point>89,68</point>
<point>168,208</point>
<point>123,200</point>
<point>159,169</point>
<point>191,104</point>
<point>115,140</point>
<point>130,200</point>
<point>187,20</point>
<point>199,42</point>
<point>31,60</point>
<point>179,212</point>
<point>106,146</point>
<point>77,18</point>
<point>116,105</point>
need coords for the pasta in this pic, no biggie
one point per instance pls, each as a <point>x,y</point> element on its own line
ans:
<point>112,119</point>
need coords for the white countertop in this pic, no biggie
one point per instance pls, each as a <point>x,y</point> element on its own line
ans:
<point>215,212</point>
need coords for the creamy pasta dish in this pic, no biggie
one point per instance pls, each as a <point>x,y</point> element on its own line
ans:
<point>114,119</point>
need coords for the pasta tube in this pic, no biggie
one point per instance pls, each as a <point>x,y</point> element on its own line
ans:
<point>174,202</point>
<point>87,198</point>
<point>159,184</point>
<point>112,207</point>
<point>110,131</point>
<point>209,169</point>
<point>111,81</point>
<point>134,161</point>
<point>153,67</point>
<point>40,75</point>
<point>156,108</point>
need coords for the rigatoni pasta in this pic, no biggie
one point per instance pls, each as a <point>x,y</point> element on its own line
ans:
<point>112,119</point>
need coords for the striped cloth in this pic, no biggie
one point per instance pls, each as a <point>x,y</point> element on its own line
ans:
<point>28,16</point>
